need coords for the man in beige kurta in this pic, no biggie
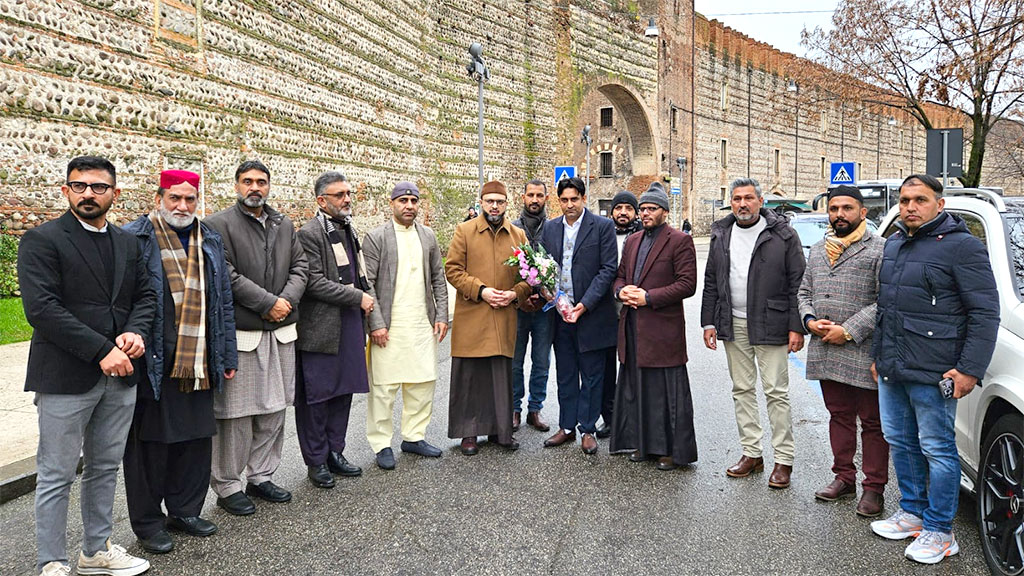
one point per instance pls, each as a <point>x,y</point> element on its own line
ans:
<point>403,264</point>
<point>484,326</point>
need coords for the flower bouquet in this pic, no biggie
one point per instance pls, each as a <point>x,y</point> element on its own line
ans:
<point>540,271</point>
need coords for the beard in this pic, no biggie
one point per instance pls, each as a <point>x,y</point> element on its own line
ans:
<point>253,200</point>
<point>89,209</point>
<point>494,218</point>
<point>844,228</point>
<point>746,218</point>
<point>175,220</point>
<point>535,209</point>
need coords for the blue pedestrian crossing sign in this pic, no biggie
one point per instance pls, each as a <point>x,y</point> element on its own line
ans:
<point>842,173</point>
<point>563,172</point>
<point>677,191</point>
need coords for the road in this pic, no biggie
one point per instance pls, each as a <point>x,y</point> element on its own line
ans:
<point>544,511</point>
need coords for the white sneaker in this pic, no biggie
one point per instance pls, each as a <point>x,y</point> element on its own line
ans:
<point>900,525</point>
<point>114,561</point>
<point>56,569</point>
<point>931,547</point>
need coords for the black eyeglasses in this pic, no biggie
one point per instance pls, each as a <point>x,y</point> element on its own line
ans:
<point>98,188</point>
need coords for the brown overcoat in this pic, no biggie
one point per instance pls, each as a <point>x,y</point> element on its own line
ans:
<point>476,258</point>
<point>669,276</point>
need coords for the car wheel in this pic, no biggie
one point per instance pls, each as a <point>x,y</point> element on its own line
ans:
<point>1001,496</point>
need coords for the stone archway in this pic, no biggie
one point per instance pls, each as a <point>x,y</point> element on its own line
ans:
<point>643,145</point>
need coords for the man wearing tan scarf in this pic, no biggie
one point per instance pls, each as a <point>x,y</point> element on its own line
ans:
<point>837,303</point>
<point>191,352</point>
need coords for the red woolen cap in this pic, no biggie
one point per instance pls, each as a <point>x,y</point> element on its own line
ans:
<point>169,178</point>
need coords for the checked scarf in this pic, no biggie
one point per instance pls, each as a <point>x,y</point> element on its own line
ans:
<point>185,275</point>
<point>836,245</point>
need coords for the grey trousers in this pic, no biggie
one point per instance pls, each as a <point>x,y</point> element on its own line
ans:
<point>250,445</point>
<point>95,425</point>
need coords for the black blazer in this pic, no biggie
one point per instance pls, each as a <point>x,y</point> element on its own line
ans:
<point>594,262</point>
<point>74,316</point>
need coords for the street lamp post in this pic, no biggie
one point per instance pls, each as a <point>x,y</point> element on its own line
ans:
<point>585,138</point>
<point>795,89</point>
<point>478,71</point>
<point>681,164</point>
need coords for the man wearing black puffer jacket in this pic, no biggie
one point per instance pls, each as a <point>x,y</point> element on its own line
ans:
<point>937,319</point>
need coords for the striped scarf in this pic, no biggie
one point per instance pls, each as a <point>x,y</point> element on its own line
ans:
<point>835,245</point>
<point>185,275</point>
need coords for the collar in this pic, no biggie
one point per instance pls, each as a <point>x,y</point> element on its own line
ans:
<point>90,227</point>
<point>575,226</point>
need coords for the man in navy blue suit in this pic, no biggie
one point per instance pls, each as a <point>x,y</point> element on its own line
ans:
<point>584,245</point>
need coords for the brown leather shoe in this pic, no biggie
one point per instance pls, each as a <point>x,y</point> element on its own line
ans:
<point>533,419</point>
<point>637,456</point>
<point>559,438</point>
<point>665,463</point>
<point>745,467</point>
<point>836,490</point>
<point>469,446</point>
<point>780,476</point>
<point>517,419</point>
<point>589,444</point>
<point>871,504</point>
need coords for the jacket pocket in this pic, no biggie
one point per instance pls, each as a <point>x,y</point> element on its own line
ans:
<point>927,344</point>
<point>777,319</point>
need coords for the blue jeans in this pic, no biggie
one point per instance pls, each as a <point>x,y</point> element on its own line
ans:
<point>918,425</point>
<point>535,325</point>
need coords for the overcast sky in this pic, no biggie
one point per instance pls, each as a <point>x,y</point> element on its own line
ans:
<point>779,30</point>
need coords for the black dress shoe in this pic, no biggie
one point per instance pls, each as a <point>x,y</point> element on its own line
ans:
<point>386,459</point>
<point>422,448</point>
<point>605,431</point>
<point>342,467</point>
<point>192,525</point>
<point>638,456</point>
<point>268,491</point>
<point>237,504</point>
<point>320,476</point>
<point>159,543</point>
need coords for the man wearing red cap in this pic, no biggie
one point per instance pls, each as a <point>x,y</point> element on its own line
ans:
<point>191,352</point>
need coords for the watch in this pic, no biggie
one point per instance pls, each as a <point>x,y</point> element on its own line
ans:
<point>847,335</point>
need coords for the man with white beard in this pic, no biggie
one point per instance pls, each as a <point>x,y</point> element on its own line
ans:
<point>191,353</point>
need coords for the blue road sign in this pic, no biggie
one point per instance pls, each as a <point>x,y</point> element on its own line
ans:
<point>842,173</point>
<point>677,191</point>
<point>563,172</point>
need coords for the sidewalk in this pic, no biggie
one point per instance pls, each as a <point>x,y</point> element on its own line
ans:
<point>18,421</point>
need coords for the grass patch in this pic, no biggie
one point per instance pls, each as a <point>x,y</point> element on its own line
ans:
<point>13,326</point>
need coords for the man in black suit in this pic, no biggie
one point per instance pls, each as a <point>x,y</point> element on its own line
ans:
<point>86,295</point>
<point>583,244</point>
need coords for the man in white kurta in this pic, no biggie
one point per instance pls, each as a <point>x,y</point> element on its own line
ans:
<point>404,266</point>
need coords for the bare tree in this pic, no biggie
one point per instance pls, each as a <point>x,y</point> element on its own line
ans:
<point>964,54</point>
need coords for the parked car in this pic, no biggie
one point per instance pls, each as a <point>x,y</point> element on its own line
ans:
<point>812,226</point>
<point>989,422</point>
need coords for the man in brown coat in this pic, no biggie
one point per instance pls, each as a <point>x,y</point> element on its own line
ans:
<point>653,414</point>
<point>484,325</point>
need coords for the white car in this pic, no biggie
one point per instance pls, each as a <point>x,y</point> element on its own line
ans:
<point>989,423</point>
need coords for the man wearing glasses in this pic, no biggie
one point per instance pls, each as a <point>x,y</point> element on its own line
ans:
<point>86,294</point>
<point>484,326</point>
<point>653,413</point>
<point>268,275</point>
<point>332,337</point>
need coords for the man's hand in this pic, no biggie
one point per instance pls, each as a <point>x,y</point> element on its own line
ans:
<point>229,374</point>
<point>440,330</point>
<point>633,296</point>
<point>575,313</point>
<point>498,298</point>
<point>874,372</point>
<point>711,339</point>
<point>367,303</point>
<point>117,363</point>
<point>282,308</point>
<point>796,341</point>
<point>532,304</point>
<point>380,337</point>
<point>131,344</point>
<point>962,383</point>
<point>819,327</point>
<point>835,334</point>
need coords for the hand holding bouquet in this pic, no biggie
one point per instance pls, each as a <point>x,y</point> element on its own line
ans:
<point>540,271</point>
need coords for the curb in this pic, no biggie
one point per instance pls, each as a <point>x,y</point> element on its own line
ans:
<point>19,478</point>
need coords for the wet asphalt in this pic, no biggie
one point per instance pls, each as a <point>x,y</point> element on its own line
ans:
<point>543,511</point>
